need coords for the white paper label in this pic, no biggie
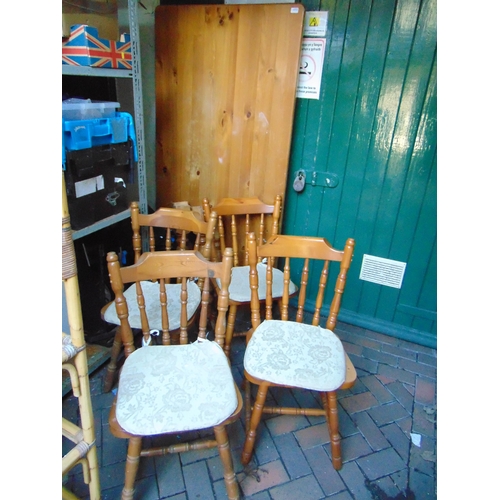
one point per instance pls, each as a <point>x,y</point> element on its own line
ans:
<point>89,186</point>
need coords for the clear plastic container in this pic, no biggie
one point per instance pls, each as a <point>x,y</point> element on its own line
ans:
<point>86,109</point>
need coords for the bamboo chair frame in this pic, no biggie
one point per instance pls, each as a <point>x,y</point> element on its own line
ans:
<point>172,220</point>
<point>237,217</point>
<point>308,249</point>
<point>74,360</point>
<point>163,266</point>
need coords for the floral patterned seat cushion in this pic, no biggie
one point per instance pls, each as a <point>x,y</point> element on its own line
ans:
<point>165,389</point>
<point>295,354</point>
<point>239,288</point>
<point>151,293</point>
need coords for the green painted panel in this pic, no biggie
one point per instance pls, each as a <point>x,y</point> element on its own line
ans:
<point>420,191</point>
<point>419,285</point>
<point>428,296</point>
<point>365,105</point>
<point>384,176</point>
<point>410,115</point>
<point>374,128</point>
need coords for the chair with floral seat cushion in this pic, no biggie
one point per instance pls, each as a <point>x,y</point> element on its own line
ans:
<point>237,217</point>
<point>172,389</point>
<point>162,226</point>
<point>292,353</point>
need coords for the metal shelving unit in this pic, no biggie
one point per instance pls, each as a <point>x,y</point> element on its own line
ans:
<point>138,107</point>
<point>101,224</point>
<point>89,71</point>
<point>135,74</point>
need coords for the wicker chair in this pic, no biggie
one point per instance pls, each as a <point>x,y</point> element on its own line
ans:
<point>74,360</point>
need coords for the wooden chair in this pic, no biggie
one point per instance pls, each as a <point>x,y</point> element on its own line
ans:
<point>237,217</point>
<point>74,360</point>
<point>171,389</point>
<point>291,353</point>
<point>190,233</point>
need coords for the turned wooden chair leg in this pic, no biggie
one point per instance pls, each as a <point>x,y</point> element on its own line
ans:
<point>115,353</point>
<point>248,402</point>
<point>131,467</point>
<point>333,427</point>
<point>254,423</point>
<point>231,320</point>
<point>324,402</point>
<point>232,487</point>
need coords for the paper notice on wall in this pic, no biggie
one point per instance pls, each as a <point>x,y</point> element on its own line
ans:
<point>311,68</point>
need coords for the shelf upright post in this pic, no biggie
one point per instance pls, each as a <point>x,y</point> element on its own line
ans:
<point>138,106</point>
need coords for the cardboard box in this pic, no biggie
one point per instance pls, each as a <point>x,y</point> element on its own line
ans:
<point>101,14</point>
<point>85,48</point>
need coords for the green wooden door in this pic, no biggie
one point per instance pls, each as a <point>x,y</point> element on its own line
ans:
<point>372,136</point>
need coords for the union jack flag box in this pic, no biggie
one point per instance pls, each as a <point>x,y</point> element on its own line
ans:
<point>85,48</point>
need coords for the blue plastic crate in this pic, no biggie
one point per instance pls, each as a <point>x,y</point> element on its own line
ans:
<point>83,134</point>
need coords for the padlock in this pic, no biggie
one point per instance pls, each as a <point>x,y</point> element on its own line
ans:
<point>300,181</point>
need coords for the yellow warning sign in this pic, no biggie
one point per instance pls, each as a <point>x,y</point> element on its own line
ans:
<point>315,23</point>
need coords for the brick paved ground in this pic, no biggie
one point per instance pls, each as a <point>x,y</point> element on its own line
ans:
<point>387,424</point>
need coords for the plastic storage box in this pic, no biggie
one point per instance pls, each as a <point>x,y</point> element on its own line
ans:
<point>100,182</point>
<point>83,134</point>
<point>86,109</point>
<point>99,155</point>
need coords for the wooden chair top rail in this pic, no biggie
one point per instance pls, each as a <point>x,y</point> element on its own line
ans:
<point>166,265</point>
<point>242,206</point>
<point>305,247</point>
<point>170,217</point>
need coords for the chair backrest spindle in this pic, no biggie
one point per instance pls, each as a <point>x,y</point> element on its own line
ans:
<point>304,280</point>
<point>165,330</point>
<point>152,241</point>
<point>234,238</point>
<point>142,311</point>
